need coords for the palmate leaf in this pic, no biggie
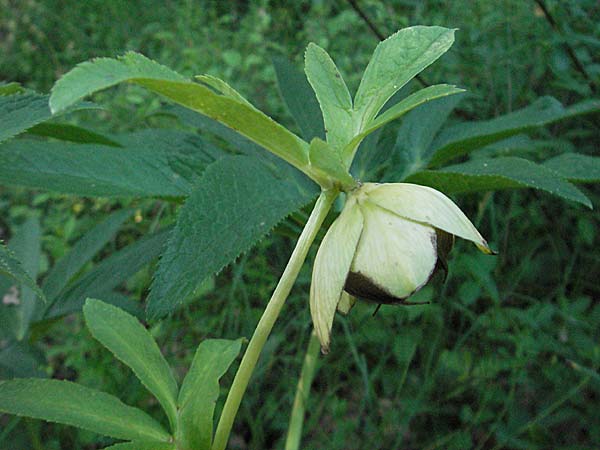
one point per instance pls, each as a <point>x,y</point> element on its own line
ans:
<point>463,138</point>
<point>394,63</point>
<point>101,73</point>
<point>72,404</point>
<point>235,204</point>
<point>499,173</point>
<point>299,98</point>
<point>11,267</point>
<point>200,391</point>
<point>132,344</point>
<point>151,163</point>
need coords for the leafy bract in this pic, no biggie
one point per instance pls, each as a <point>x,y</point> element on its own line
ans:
<point>499,173</point>
<point>151,163</point>
<point>132,344</point>
<point>101,73</point>
<point>236,203</point>
<point>576,167</point>
<point>326,160</point>
<point>109,273</point>
<point>299,98</point>
<point>332,94</point>
<point>394,63</point>
<point>82,252</point>
<point>11,267</point>
<point>72,404</point>
<point>463,138</point>
<point>412,101</point>
<point>200,391</point>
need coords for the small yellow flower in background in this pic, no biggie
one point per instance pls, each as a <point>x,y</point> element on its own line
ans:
<point>385,245</point>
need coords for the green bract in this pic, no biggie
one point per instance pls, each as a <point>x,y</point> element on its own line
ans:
<point>384,246</point>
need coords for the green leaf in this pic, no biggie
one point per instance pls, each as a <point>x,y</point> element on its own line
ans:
<point>101,73</point>
<point>463,138</point>
<point>72,404</point>
<point>146,166</point>
<point>71,133</point>
<point>21,111</point>
<point>394,63</point>
<point>200,391</point>
<point>83,252</point>
<point>26,243</point>
<point>10,88</point>
<point>223,88</point>
<point>417,132</point>
<point>299,98</point>
<point>132,344</point>
<point>138,445</point>
<point>499,173</point>
<point>326,160</point>
<point>235,204</point>
<point>399,109</point>
<point>11,267</point>
<point>576,167</point>
<point>332,94</point>
<point>109,273</point>
<point>19,359</point>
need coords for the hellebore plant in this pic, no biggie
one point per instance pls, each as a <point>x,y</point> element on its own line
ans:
<point>385,245</point>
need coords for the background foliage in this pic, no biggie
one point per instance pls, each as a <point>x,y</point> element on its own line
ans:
<point>507,354</point>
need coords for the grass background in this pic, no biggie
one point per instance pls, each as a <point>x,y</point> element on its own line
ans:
<point>507,354</point>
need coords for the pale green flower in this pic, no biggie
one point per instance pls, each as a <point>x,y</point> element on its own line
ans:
<point>384,246</point>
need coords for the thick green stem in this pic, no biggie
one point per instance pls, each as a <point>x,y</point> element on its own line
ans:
<point>309,369</point>
<point>265,325</point>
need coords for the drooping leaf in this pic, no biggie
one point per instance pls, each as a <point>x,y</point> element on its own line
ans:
<point>109,273</point>
<point>235,204</point>
<point>200,391</point>
<point>395,62</point>
<point>151,163</point>
<point>576,167</point>
<point>418,130</point>
<point>101,73</point>
<point>499,173</point>
<point>299,98</point>
<point>463,138</point>
<point>11,267</point>
<point>82,252</point>
<point>132,344</point>
<point>412,101</point>
<point>26,243</point>
<point>71,133</point>
<point>332,94</point>
<point>72,404</point>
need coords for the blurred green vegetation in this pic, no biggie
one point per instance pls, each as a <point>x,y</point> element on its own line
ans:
<point>507,354</point>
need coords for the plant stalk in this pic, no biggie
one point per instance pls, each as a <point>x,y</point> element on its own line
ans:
<point>309,369</point>
<point>265,325</point>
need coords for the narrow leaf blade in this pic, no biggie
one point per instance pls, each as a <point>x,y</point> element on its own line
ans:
<point>499,173</point>
<point>132,344</point>
<point>332,94</point>
<point>395,62</point>
<point>299,98</point>
<point>576,167</point>
<point>463,138</point>
<point>200,391</point>
<point>236,203</point>
<point>11,267</point>
<point>72,404</point>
